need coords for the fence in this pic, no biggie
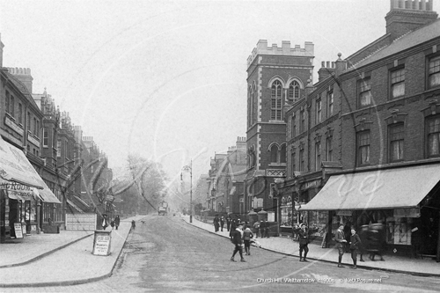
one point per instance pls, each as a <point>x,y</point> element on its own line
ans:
<point>80,222</point>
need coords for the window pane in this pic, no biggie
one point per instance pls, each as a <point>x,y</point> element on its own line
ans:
<point>283,154</point>
<point>274,154</point>
<point>434,80</point>
<point>398,89</point>
<point>433,147</point>
<point>365,98</point>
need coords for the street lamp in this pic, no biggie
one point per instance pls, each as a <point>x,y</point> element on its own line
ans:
<point>188,168</point>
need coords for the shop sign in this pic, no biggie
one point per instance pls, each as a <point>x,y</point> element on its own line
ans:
<point>102,242</point>
<point>344,213</point>
<point>18,230</point>
<point>14,126</point>
<point>16,187</point>
<point>311,184</point>
<point>407,213</point>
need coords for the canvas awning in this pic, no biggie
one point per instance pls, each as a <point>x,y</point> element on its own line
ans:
<point>47,195</point>
<point>381,189</point>
<point>14,166</point>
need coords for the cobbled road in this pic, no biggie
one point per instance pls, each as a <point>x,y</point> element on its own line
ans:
<point>165,254</point>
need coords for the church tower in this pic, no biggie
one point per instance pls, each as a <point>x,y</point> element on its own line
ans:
<point>276,78</point>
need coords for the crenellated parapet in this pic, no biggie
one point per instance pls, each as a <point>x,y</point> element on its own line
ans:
<point>262,48</point>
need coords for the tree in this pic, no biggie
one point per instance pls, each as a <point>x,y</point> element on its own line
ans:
<point>145,180</point>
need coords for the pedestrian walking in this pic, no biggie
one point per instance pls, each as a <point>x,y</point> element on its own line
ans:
<point>117,222</point>
<point>340,244</point>
<point>256,227</point>
<point>267,230</point>
<point>133,224</point>
<point>228,222</point>
<point>263,228</point>
<point>237,240</point>
<point>104,223</point>
<point>233,226</point>
<point>303,239</point>
<point>216,223</point>
<point>355,243</point>
<point>222,222</point>
<point>247,236</point>
<point>112,224</point>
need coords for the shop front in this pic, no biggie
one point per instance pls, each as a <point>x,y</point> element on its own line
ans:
<point>19,198</point>
<point>400,207</point>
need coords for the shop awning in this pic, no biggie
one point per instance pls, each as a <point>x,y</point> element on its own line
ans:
<point>14,166</point>
<point>383,189</point>
<point>47,195</point>
<point>74,206</point>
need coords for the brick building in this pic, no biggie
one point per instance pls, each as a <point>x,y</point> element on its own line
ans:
<point>375,162</point>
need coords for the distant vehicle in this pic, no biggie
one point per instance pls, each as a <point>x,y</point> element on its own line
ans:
<point>163,209</point>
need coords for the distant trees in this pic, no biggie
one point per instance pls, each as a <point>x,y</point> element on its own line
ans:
<point>144,184</point>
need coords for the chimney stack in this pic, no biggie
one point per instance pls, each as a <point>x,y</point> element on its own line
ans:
<point>408,15</point>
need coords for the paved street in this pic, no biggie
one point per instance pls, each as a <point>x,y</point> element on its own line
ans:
<point>168,255</point>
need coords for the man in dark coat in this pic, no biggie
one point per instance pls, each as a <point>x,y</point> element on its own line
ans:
<point>222,222</point>
<point>237,240</point>
<point>340,244</point>
<point>117,221</point>
<point>228,222</point>
<point>216,223</point>
<point>233,226</point>
<point>263,228</point>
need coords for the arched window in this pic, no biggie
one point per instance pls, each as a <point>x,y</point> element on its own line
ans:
<point>294,90</point>
<point>283,154</point>
<point>250,106</point>
<point>274,154</point>
<point>276,106</point>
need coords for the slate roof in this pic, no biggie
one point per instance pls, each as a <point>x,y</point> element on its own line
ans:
<point>407,41</point>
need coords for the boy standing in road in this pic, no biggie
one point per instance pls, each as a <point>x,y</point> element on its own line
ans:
<point>247,236</point>
<point>237,239</point>
<point>303,239</point>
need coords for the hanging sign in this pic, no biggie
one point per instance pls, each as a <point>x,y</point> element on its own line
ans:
<point>344,213</point>
<point>102,242</point>
<point>18,230</point>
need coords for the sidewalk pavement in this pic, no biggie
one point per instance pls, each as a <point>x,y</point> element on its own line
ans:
<point>285,245</point>
<point>59,259</point>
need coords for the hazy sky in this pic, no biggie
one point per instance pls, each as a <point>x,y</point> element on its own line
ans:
<point>164,79</point>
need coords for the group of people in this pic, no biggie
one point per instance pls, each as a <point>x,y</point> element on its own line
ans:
<point>353,243</point>
<point>262,228</point>
<point>113,223</point>
<point>259,229</point>
<point>239,236</point>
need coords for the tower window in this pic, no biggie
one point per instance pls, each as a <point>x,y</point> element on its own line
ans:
<point>276,106</point>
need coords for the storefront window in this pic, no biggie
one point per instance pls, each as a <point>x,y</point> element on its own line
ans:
<point>286,211</point>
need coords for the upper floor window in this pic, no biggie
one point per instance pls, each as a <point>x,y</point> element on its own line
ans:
<point>276,106</point>
<point>58,148</point>
<point>302,121</point>
<point>294,92</point>
<point>317,155</point>
<point>45,137</point>
<point>35,126</point>
<point>397,83</point>
<point>12,105</point>
<point>249,107</point>
<point>329,149</point>
<point>7,102</point>
<point>293,126</point>
<point>433,139</point>
<point>363,145</point>
<point>278,154</point>
<point>365,92</point>
<point>318,111</point>
<point>283,154</point>
<point>330,103</point>
<point>301,160</point>
<point>434,72</point>
<point>292,162</point>
<point>396,136</point>
<point>20,113</point>
<point>274,154</point>
<point>29,121</point>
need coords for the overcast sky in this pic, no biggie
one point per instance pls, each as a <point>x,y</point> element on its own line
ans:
<point>167,80</point>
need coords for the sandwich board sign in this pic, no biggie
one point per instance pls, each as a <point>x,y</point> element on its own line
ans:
<point>102,242</point>
<point>18,230</point>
